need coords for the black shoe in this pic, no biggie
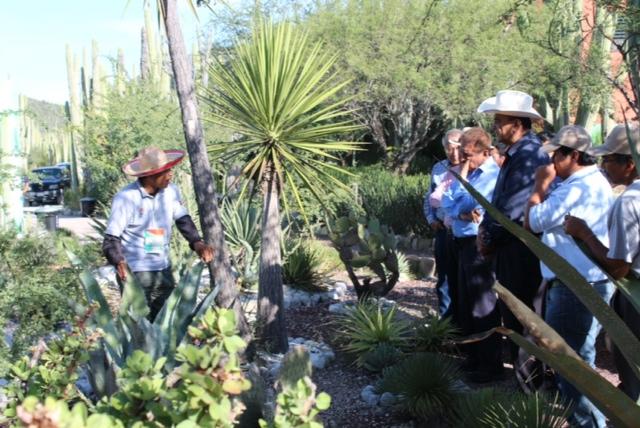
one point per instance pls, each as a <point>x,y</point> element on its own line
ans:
<point>486,376</point>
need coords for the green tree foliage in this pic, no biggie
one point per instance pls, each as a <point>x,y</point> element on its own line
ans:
<point>417,66</point>
<point>129,121</point>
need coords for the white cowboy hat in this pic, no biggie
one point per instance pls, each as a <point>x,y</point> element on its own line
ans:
<point>152,160</point>
<point>510,103</point>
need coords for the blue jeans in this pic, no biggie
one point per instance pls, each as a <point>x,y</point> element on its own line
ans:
<point>579,328</point>
<point>442,286</point>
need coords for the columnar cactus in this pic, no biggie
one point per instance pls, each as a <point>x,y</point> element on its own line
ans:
<point>367,243</point>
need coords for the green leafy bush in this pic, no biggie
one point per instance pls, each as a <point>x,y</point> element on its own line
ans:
<point>35,289</point>
<point>434,334</point>
<point>367,325</point>
<point>425,383</point>
<point>394,200</point>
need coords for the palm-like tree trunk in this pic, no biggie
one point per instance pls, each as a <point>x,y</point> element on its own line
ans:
<point>273,331</point>
<point>219,268</point>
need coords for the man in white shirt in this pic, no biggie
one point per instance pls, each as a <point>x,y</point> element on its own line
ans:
<point>622,257</point>
<point>586,193</point>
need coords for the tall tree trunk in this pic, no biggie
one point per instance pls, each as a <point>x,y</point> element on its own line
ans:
<point>212,230</point>
<point>273,330</point>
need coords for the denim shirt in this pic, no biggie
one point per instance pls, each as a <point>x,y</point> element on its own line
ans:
<point>437,174</point>
<point>457,200</point>
<point>514,185</point>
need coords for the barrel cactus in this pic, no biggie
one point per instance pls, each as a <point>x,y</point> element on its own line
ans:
<point>363,242</point>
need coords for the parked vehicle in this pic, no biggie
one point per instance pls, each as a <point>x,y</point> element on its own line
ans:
<point>48,186</point>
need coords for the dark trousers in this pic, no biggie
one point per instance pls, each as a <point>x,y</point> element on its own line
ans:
<point>629,383</point>
<point>442,286</point>
<point>518,270</point>
<point>157,286</point>
<point>477,309</point>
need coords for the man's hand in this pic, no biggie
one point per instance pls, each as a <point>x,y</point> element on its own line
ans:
<point>544,175</point>
<point>436,225</point>
<point>481,245</point>
<point>464,169</point>
<point>576,227</point>
<point>121,269</point>
<point>204,251</point>
<point>476,216</point>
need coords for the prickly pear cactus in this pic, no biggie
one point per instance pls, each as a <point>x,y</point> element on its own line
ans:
<point>363,242</point>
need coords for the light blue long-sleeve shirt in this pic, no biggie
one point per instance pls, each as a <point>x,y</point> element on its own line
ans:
<point>438,172</point>
<point>456,200</point>
<point>585,194</point>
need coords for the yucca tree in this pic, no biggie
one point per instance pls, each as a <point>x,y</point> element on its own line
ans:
<point>278,92</point>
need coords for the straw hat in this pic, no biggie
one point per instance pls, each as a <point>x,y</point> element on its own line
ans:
<point>572,136</point>
<point>510,103</point>
<point>152,160</point>
<point>618,142</point>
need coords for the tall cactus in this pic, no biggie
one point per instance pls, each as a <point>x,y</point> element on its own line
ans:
<point>75,113</point>
<point>367,243</point>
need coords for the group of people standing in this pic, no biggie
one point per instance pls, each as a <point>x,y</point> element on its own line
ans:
<point>558,192</point>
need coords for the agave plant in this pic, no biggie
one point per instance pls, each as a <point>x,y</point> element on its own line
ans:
<point>302,269</point>
<point>367,325</point>
<point>380,357</point>
<point>241,222</point>
<point>434,333</point>
<point>494,408</point>
<point>426,384</point>
<point>278,93</point>
<point>128,330</point>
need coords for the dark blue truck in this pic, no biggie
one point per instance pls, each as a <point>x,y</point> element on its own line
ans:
<point>48,186</point>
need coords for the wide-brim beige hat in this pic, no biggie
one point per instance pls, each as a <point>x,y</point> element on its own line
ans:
<point>573,136</point>
<point>152,160</point>
<point>510,103</point>
<point>617,142</point>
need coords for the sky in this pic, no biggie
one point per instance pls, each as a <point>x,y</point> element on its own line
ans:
<point>34,33</point>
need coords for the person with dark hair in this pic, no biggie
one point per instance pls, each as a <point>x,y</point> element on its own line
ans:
<point>516,267</point>
<point>138,231</point>
<point>583,191</point>
<point>476,303</point>
<point>435,217</point>
<point>620,256</point>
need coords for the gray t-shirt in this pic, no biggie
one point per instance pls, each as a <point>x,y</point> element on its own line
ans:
<point>624,228</point>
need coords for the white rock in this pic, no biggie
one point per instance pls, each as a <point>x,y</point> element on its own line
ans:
<point>369,396</point>
<point>337,308</point>
<point>387,399</point>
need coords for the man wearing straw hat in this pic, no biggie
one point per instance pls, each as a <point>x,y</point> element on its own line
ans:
<point>516,267</point>
<point>139,229</point>
<point>622,256</point>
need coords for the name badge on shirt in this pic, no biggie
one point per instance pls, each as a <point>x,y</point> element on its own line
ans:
<point>154,241</point>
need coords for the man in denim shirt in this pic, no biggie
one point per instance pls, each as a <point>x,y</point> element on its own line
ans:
<point>516,267</point>
<point>435,218</point>
<point>476,309</point>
